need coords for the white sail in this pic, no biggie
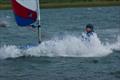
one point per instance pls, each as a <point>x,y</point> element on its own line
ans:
<point>30,4</point>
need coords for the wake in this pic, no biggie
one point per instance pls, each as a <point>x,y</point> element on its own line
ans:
<point>68,46</point>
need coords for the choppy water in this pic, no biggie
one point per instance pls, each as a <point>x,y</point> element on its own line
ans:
<point>62,55</point>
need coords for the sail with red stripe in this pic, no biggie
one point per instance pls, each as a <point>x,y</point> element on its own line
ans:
<point>25,11</point>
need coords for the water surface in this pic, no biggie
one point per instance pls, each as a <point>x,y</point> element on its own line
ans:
<point>66,25</point>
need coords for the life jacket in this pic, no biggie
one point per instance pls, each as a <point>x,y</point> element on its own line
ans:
<point>86,36</point>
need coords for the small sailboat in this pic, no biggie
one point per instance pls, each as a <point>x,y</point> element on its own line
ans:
<point>27,12</point>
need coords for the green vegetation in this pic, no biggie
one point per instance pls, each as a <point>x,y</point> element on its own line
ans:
<point>83,3</point>
<point>5,4</point>
<point>72,1</point>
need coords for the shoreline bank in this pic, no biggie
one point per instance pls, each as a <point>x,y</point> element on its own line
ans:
<point>71,5</point>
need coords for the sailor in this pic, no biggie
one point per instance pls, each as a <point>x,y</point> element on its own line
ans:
<point>89,33</point>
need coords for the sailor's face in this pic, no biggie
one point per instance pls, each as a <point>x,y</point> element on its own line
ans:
<point>88,30</point>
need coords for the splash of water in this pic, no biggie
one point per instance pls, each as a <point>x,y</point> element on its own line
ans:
<point>69,46</point>
<point>9,52</point>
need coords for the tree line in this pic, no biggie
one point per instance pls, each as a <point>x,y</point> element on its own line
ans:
<point>57,1</point>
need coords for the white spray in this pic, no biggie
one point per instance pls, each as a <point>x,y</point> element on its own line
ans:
<point>69,46</point>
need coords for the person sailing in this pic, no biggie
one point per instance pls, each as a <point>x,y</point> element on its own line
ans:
<point>89,36</point>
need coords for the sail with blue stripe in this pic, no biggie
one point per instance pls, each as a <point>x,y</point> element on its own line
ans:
<point>25,11</point>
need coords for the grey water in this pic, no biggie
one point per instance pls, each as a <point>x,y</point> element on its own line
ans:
<point>59,23</point>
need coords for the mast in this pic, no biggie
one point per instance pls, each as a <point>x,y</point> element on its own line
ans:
<point>38,24</point>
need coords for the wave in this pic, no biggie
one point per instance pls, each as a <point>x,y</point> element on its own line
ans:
<point>9,52</point>
<point>115,46</point>
<point>68,46</point>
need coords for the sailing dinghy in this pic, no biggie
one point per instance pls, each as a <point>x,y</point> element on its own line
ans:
<point>27,12</point>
